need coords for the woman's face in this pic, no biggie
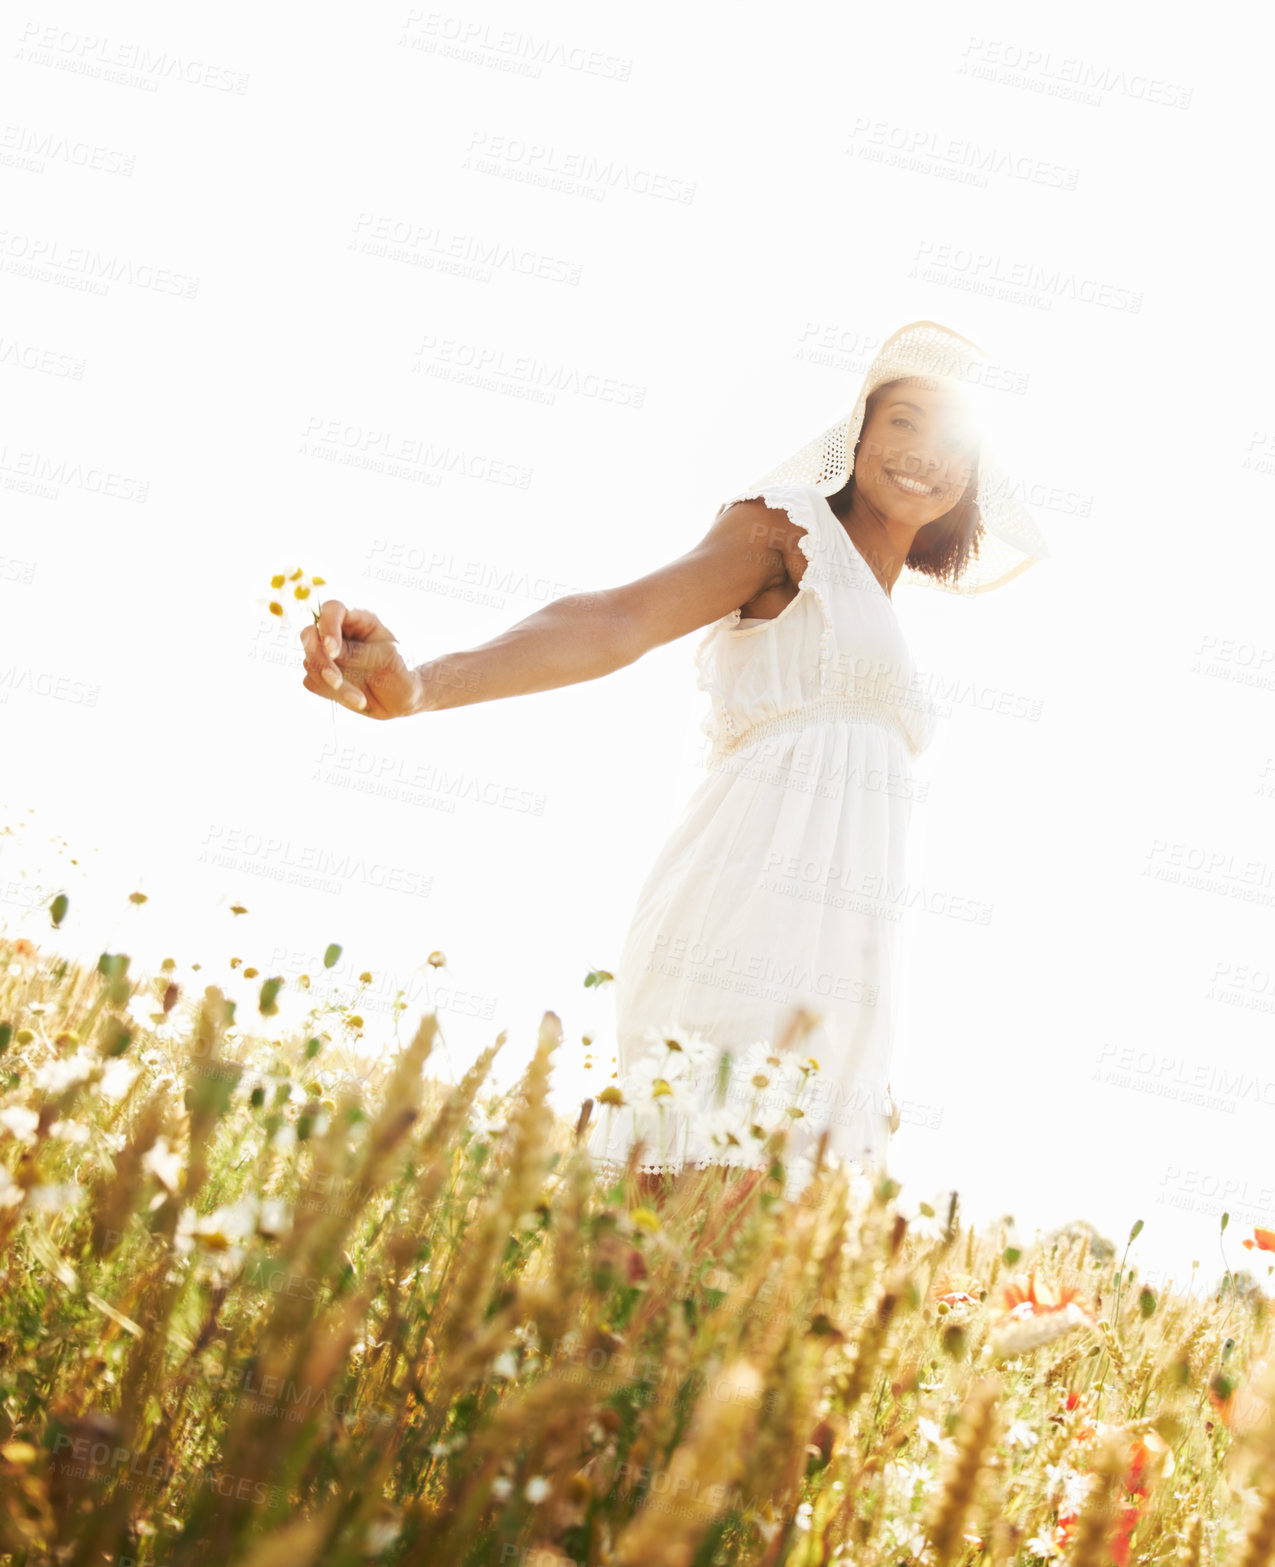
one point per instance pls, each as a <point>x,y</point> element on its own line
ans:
<point>917,451</point>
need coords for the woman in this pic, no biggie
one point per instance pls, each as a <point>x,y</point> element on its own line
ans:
<point>766,938</point>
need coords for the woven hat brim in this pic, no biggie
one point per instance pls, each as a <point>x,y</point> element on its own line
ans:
<point>1012,540</point>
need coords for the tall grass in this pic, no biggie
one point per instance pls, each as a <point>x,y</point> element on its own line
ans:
<point>260,1308</point>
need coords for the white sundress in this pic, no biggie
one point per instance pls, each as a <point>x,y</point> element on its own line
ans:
<point>781,884</point>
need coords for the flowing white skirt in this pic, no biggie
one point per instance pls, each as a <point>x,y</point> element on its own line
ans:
<point>779,891</point>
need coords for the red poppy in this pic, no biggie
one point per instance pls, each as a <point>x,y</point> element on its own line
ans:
<point>1147,1451</point>
<point>1040,1298</point>
<point>1036,1314</point>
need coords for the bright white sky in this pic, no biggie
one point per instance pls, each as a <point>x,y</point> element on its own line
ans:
<point>1057,1047</point>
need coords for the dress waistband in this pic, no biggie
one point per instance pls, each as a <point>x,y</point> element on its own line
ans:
<point>825,709</point>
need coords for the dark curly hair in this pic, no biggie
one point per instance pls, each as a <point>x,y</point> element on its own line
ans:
<point>943,548</point>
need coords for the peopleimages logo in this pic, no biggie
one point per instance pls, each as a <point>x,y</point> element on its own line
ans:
<point>472,255</point>
<point>422,778</point>
<point>46,468</point>
<point>40,682</point>
<point>933,152</point>
<point>558,168</point>
<point>494,367</point>
<point>1067,76</point>
<point>317,866</point>
<point>94,54</point>
<point>45,361</point>
<point>402,456</point>
<point>22,146</point>
<point>506,48</point>
<point>94,268</point>
<point>981,271</point>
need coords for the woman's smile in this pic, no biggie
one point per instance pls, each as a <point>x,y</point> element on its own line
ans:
<point>911,486</point>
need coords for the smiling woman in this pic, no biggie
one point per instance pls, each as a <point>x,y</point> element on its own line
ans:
<point>902,420</point>
<point>769,925</point>
<point>768,928</point>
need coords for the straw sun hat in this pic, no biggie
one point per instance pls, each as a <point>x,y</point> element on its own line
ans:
<point>1006,539</point>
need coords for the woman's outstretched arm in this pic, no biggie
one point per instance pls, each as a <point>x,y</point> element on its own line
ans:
<point>582,636</point>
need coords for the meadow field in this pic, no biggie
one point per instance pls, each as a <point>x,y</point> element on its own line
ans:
<point>267,1305</point>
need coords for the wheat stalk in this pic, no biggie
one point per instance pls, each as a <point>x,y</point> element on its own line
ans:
<point>1093,1528</point>
<point>978,1420</point>
<point>1189,1551</point>
<point>709,1458</point>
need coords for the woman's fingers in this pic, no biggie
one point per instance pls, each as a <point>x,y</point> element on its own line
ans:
<point>335,635</point>
<point>317,662</point>
<point>361,625</point>
<point>322,675</point>
<point>347,696</point>
<point>329,626</point>
<point>348,637</point>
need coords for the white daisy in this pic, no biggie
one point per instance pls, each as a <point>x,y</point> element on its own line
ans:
<point>1020,1434</point>
<point>275,1217</point>
<point>651,1120</point>
<point>933,1434</point>
<point>761,1068</point>
<point>908,1536</point>
<point>11,1194</point>
<point>118,1076</point>
<point>927,1220</point>
<point>726,1137</point>
<point>536,1489</point>
<point>224,1226</point>
<point>20,1122</point>
<point>652,1081</point>
<point>163,1163</point>
<point>678,1052</point>
<point>1042,1544</point>
<point>911,1474</point>
<point>55,1077</point>
<point>1075,1489</point>
<point>55,1197</point>
<point>144,1010</point>
<point>70,1131</point>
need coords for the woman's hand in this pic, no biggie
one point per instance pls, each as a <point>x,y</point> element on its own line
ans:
<point>351,658</point>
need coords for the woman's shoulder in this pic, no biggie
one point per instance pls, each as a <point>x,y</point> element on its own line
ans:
<point>790,507</point>
<point>772,497</point>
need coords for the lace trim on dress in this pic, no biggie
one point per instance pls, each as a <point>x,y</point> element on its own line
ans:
<point>607,1171</point>
<point>795,500</point>
<point>610,1169</point>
